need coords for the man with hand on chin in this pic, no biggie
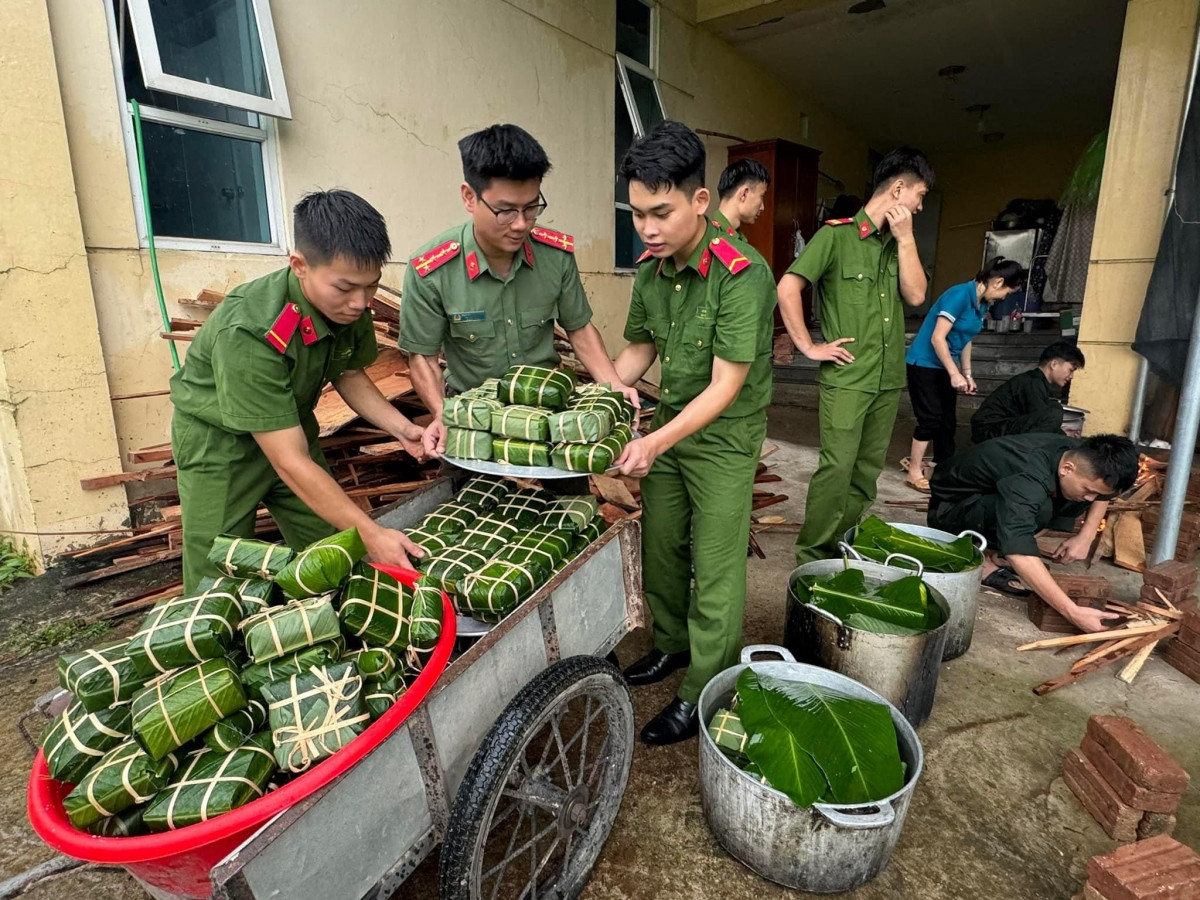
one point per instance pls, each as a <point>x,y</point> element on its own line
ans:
<point>867,269</point>
<point>703,305</point>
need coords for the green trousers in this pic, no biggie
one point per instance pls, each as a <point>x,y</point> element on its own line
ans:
<point>223,477</point>
<point>695,525</point>
<point>856,428</point>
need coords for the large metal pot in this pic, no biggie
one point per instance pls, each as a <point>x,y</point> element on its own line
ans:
<point>825,848</point>
<point>903,668</point>
<point>961,589</point>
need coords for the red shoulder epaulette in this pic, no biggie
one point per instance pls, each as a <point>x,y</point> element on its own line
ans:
<point>554,239</point>
<point>838,221</point>
<point>283,327</point>
<point>435,258</point>
<point>728,254</point>
<point>645,256</point>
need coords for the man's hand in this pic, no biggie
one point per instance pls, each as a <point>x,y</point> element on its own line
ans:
<point>899,219</point>
<point>958,381</point>
<point>638,457</point>
<point>1087,619</point>
<point>631,393</point>
<point>433,442</point>
<point>390,547</point>
<point>1073,548</point>
<point>830,351</point>
<point>412,440</point>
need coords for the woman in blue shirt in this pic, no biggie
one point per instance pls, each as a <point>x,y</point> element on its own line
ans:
<point>939,360</point>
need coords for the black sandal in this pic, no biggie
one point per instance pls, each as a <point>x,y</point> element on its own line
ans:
<point>1002,580</point>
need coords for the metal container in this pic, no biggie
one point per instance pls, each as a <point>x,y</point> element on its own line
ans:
<point>961,589</point>
<point>903,668</point>
<point>826,848</point>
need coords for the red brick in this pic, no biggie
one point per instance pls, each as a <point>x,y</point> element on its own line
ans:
<point>1090,893</point>
<point>1130,793</point>
<point>1171,656</point>
<point>1085,587</point>
<point>1153,824</point>
<point>1146,763</point>
<point>1118,820</point>
<point>1184,653</point>
<point>1046,617</point>
<point>1170,575</point>
<point>1160,868</point>
<point>1189,635</point>
<point>1152,594</point>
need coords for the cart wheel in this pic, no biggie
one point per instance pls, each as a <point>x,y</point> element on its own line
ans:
<point>543,789</point>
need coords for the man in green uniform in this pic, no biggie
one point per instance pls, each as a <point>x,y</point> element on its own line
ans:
<point>864,267</point>
<point>243,430</point>
<point>703,305</point>
<point>740,190</point>
<point>1026,402</point>
<point>1010,488</point>
<point>489,291</point>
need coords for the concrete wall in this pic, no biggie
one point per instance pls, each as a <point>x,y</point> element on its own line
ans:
<point>1156,57</point>
<point>56,423</point>
<point>379,99</point>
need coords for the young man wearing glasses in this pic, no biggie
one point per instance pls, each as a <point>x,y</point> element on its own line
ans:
<point>489,291</point>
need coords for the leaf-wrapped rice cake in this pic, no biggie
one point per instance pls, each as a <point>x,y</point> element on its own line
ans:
<point>470,413</point>
<point>127,823</point>
<point>463,443</point>
<point>488,534</point>
<point>613,402</point>
<point>526,423</point>
<point>729,734</point>
<point>571,513</point>
<point>322,566</point>
<point>281,629</point>
<point>100,678</point>
<point>259,674</point>
<point>173,709</point>
<point>488,389</point>
<point>254,594</point>
<point>77,739</point>
<point>542,545</point>
<point>185,631</point>
<point>124,778</point>
<point>583,539</point>
<point>248,558</point>
<point>520,453</point>
<point>213,782</point>
<point>498,588</point>
<point>484,492</point>
<point>581,426</point>
<point>380,696</point>
<point>373,663</point>
<point>235,729</point>
<point>446,569</point>
<point>536,386</point>
<point>450,518</point>
<point>377,608</point>
<point>525,507</point>
<point>595,458</point>
<point>316,714</point>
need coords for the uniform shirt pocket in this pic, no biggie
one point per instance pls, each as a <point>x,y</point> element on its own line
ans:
<point>856,282</point>
<point>472,332</point>
<point>536,323</point>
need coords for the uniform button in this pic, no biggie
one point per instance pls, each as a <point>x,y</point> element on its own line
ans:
<point>666,390</point>
<point>883,296</point>
<point>307,329</point>
<point>666,359</point>
<point>860,276</point>
<point>716,241</point>
<point>514,356</point>
<point>453,245</point>
<point>679,287</point>
<point>470,337</point>
<point>295,308</point>
<point>510,321</point>
<point>886,319</point>
<point>672,324</point>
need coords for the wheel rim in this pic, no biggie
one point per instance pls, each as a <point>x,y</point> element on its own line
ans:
<point>543,832</point>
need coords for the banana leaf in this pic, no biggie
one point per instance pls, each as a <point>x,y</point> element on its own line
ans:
<point>315,714</point>
<point>77,739</point>
<point>543,545</point>
<point>875,539</point>
<point>323,566</point>
<point>235,729</point>
<point>259,674</point>
<point>590,534</point>
<point>536,386</point>
<point>246,558</point>
<point>254,594</point>
<point>489,534</point>
<point>488,389</point>
<point>581,426</point>
<point>381,695</point>
<point>432,542</point>
<point>127,823</point>
<point>184,631</point>
<point>484,492</point>
<point>729,734</point>
<point>377,608</point>
<point>903,603</point>
<point>526,423</point>
<point>373,663</point>
<point>100,678</point>
<point>449,567</point>
<point>470,413</point>
<point>814,743</point>
<point>571,513</point>
<point>520,453</point>
<point>463,443</point>
<point>498,588</point>
<point>525,507</point>
<point>450,518</point>
<point>173,709</point>
<point>211,783</point>
<point>426,625</point>
<point>614,402</point>
<point>280,630</point>
<point>595,458</point>
<point>124,778</point>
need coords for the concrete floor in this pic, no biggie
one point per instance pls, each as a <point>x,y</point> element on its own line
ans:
<point>990,819</point>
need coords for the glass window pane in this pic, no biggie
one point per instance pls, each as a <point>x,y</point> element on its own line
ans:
<point>628,245</point>
<point>205,185</point>
<point>649,109</point>
<point>623,134</point>
<point>211,41</point>
<point>633,30</point>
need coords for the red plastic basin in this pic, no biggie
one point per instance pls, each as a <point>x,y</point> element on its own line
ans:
<point>180,861</point>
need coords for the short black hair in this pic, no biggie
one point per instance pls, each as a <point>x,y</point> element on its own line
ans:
<point>1013,273</point>
<point>669,156</point>
<point>744,171</point>
<point>501,151</point>
<point>1064,350</point>
<point>901,162</point>
<point>1112,458</point>
<point>327,224</point>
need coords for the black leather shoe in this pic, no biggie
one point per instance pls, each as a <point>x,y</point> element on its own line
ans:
<point>656,665</point>
<point>679,721</point>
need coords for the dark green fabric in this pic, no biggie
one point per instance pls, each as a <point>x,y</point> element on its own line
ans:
<point>1023,404</point>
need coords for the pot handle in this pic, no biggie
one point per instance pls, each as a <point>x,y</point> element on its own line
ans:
<point>912,559</point>
<point>848,552</point>
<point>782,652</point>
<point>983,544</point>
<point>885,816</point>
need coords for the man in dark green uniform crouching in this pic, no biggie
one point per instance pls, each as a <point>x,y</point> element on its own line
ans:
<point>702,305</point>
<point>1026,403</point>
<point>243,430</point>
<point>1010,488</point>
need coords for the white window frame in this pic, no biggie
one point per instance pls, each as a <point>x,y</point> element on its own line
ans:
<point>265,135</point>
<point>157,80</point>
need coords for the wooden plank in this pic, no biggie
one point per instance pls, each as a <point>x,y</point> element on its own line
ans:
<point>130,566</point>
<point>162,393</point>
<point>182,337</point>
<point>106,481</point>
<point>1129,547</point>
<point>151,454</point>
<point>185,324</point>
<point>1113,634</point>
<point>206,299</point>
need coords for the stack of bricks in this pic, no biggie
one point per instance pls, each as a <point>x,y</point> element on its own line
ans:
<point>1158,868</point>
<point>1184,651</point>
<point>1129,784</point>
<point>1189,532</point>
<point>1084,590</point>
<point>1171,582</point>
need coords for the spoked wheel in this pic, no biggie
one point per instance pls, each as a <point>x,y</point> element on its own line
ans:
<point>543,790</point>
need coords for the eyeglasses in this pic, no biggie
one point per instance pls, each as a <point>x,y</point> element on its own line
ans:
<point>508,215</point>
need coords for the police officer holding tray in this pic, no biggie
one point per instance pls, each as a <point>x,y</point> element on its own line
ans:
<point>488,292</point>
<point>243,430</point>
<point>703,305</point>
